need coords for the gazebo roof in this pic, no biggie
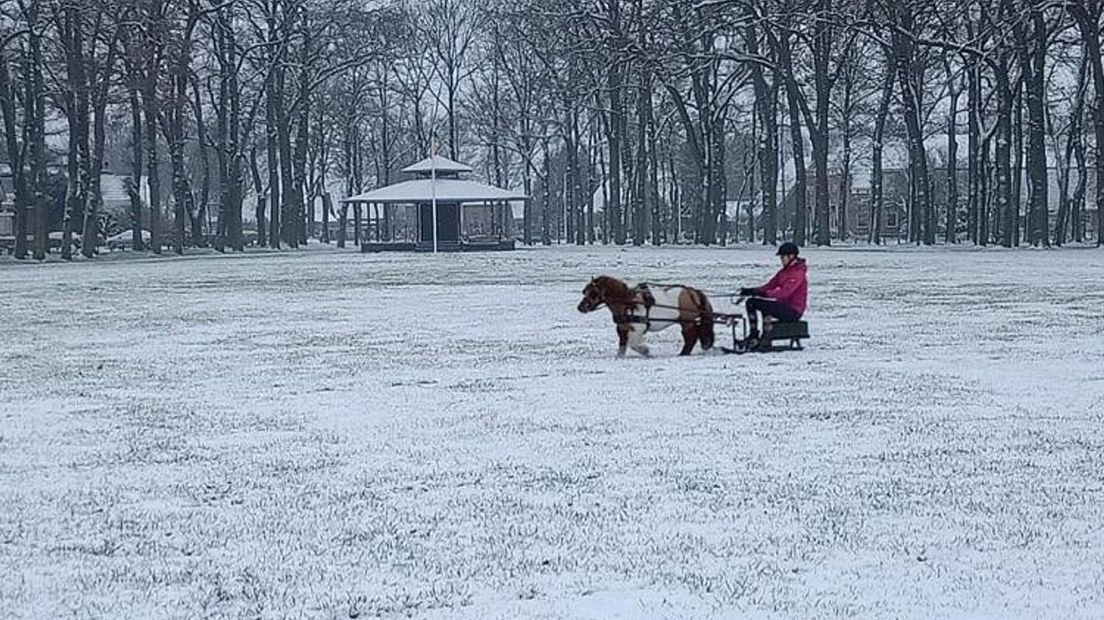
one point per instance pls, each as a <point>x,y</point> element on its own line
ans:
<point>438,163</point>
<point>445,190</point>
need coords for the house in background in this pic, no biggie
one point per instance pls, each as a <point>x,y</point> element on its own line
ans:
<point>114,213</point>
<point>859,204</point>
<point>895,202</point>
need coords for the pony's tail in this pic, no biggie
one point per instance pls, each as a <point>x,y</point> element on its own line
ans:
<point>705,328</point>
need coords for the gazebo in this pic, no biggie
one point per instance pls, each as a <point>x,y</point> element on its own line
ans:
<point>437,187</point>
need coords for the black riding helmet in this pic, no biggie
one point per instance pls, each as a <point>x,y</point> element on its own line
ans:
<point>787,249</point>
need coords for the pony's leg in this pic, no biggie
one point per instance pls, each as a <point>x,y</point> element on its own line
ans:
<point>689,338</point>
<point>622,340</point>
<point>636,343</point>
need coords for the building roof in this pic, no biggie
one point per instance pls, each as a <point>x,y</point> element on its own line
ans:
<point>445,190</point>
<point>438,163</point>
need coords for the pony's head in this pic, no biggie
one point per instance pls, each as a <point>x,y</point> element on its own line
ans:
<point>594,295</point>
<point>596,292</point>
<point>604,290</point>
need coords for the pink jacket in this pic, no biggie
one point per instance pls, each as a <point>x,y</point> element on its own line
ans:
<point>789,286</point>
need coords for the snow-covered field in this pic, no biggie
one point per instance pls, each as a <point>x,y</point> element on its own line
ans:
<point>324,434</point>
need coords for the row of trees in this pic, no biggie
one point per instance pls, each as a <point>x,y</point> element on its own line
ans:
<point>626,120</point>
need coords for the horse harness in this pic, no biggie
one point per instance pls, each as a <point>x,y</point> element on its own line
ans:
<point>647,299</point>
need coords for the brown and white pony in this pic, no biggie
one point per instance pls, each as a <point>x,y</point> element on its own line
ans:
<point>638,310</point>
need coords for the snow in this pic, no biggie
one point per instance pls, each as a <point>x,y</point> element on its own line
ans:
<point>333,434</point>
<point>438,163</point>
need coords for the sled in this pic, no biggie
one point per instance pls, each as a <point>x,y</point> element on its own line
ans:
<point>783,336</point>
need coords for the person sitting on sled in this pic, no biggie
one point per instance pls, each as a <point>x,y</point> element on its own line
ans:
<point>783,297</point>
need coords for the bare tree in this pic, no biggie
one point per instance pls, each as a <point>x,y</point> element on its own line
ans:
<point>14,145</point>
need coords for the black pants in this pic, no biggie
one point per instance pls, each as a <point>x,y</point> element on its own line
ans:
<point>769,307</point>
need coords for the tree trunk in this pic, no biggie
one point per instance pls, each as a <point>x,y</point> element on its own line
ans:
<point>571,162</point>
<point>625,188</point>
<point>1091,36</point>
<point>15,157</point>
<point>592,182</point>
<point>975,205</point>
<point>718,223</point>
<point>1067,213</point>
<point>357,224</point>
<point>299,161</point>
<point>273,102</point>
<point>845,176</point>
<point>800,177</point>
<point>951,224</point>
<point>1005,206</point>
<point>199,214</point>
<point>99,102</point>
<point>258,192</point>
<point>95,165</point>
<point>173,121</point>
<point>327,208</point>
<point>74,197</point>
<point>149,108</point>
<point>272,154</point>
<point>1077,205</point>
<point>614,140</point>
<point>796,138</point>
<point>228,147</point>
<point>766,111</point>
<point>546,195</point>
<point>288,214</point>
<point>987,214</point>
<point>35,118</point>
<point>643,118</point>
<point>342,223</point>
<point>527,207</point>
<point>653,176</point>
<point>576,191</point>
<point>77,112</point>
<point>1035,62</point>
<point>1017,161</point>
<point>135,180</point>
<point>973,165</point>
<point>909,75</point>
<point>876,176</point>
<point>819,132</point>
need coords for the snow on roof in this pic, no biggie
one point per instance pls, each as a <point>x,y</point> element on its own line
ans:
<point>445,190</point>
<point>438,163</point>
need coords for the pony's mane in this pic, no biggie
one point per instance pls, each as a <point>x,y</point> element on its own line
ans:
<point>611,284</point>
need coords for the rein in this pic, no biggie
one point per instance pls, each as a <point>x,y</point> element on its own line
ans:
<point>719,317</point>
<point>705,291</point>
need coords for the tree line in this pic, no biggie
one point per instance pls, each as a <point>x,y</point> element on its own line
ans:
<point>626,121</point>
